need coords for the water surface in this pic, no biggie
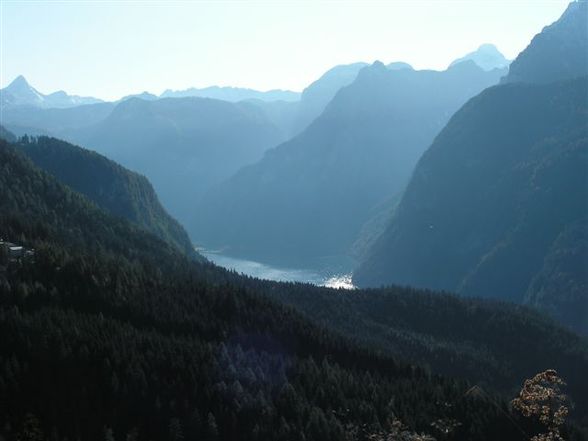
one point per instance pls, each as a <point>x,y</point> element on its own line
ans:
<point>332,278</point>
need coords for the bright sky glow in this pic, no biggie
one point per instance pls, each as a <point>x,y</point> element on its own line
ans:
<point>109,49</point>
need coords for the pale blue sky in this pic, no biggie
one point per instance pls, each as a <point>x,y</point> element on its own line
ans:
<point>109,49</point>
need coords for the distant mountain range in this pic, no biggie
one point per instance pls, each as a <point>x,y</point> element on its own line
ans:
<point>189,149</point>
<point>498,205</point>
<point>233,94</point>
<point>308,198</point>
<point>183,145</point>
<point>21,93</point>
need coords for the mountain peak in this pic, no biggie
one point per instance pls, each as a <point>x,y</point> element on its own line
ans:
<point>398,65</point>
<point>487,56</point>
<point>558,52</point>
<point>20,80</point>
<point>488,47</point>
<point>19,83</point>
<point>21,92</point>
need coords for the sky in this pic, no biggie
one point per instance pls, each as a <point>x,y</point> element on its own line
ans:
<point>109,49</point>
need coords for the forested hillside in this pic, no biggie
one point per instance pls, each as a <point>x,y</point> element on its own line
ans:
<point>109,185</point>
<point>112,333</point>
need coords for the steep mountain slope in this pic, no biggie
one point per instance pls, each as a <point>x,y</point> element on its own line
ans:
<point>560,51</point>
<point>112,187</point>
<point>317,95</point>
<point>487,56</point>
<point>496,206</point>
<point>109,326</point>
<point>292,117</point>
<point>183,145</point>
<point>7,135</point>
<point>21,93</point>
<point>308,198</point>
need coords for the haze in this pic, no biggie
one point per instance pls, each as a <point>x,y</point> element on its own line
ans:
<point>110,49</point>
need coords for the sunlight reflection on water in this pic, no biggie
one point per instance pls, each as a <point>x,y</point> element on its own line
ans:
<point>263,271</point>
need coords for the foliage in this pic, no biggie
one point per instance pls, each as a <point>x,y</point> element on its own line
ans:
<point>110,333</point>
<point>541,397</point>
<point>112,187</point>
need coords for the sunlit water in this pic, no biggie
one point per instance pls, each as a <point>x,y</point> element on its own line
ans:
<point>264,271</point>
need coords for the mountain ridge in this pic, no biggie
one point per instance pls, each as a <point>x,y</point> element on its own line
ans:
<point>320,186</point>
<point>112,187</point>
<point>493,204</point>
<point>20,93</point>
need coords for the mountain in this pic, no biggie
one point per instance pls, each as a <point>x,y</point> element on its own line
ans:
<point>308,198</point>
<point>282,114</point>
<point>112,187</point>
<point>560,51</point>
<point>7,135</point>
<point>487,56</point>
<point>21,93</point>
<point>183,145</point>
<point>398,65</point>
<point>317,95</point>
<point>107,325</point>
<point>294,116</point>
<point>143,95</point>
<point>497,205</point>
<point>65,123</point>
<point>463,338</point>
<point>233,94</point>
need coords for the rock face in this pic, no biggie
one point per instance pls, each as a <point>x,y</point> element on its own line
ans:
<point>308,198</point>
<point>497,206</point>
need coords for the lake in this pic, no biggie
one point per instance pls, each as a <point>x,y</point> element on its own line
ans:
<point>332,278</point>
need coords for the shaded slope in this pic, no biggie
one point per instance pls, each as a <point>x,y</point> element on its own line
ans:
<point>308,198</point>
<point>491,202</point>
<point>559,52</point>
<point>490,198</point>
<point>96,333</point>
<point>183,145</point>
<point>111,186</point>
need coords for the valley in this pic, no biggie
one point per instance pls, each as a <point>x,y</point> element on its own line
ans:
<point>333,276</point>
<point>294,221</point>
